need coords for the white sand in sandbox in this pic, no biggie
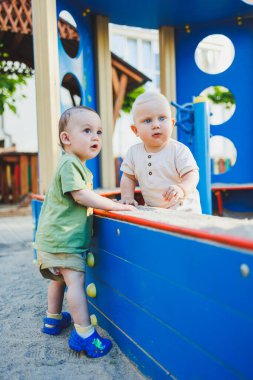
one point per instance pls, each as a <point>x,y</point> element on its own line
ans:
<point>214,224</point>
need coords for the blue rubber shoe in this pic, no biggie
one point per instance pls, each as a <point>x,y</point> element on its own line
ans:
<point>94,346</point>
<point>58,324</point>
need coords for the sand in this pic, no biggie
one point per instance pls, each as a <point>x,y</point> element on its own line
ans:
<point>25,352</point>
<point>242,228</point>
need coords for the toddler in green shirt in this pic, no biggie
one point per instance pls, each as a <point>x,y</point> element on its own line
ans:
<point>65,227</point>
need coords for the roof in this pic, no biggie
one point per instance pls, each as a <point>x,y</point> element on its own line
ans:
<point>157,13</point>
<point>135,77</point>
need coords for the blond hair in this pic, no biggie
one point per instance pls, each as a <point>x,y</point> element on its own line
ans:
<point>146,97</point>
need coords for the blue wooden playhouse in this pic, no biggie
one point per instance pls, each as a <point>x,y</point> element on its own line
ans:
<point>177,300</point>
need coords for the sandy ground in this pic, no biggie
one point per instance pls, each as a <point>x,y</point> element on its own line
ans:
<point>26,353</point>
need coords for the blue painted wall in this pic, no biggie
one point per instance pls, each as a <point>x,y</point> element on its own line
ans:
<point>191,81</point>
<point>82,67</point>
<point>175,305</point>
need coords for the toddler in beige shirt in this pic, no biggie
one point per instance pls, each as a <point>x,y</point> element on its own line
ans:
<point>165,169</point>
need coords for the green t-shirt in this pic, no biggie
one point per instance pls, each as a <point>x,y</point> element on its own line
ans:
<point>65,226</point>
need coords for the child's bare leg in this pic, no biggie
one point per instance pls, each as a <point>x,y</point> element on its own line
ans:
<point>76,296</point>
<point>55,320</point>
<point>83,337</point>
<point>55,296</point>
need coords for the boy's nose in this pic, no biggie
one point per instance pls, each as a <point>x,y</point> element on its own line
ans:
<point>156,124</point>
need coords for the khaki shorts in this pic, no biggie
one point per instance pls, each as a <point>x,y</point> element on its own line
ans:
<point>47,261</point>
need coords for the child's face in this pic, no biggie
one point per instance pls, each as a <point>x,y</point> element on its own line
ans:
<point>83,135</point>
<point>153,123</point>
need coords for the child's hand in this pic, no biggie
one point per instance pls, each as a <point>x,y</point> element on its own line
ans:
<point>123,207</point>
<point>173,194</point>
<point>128,201</point>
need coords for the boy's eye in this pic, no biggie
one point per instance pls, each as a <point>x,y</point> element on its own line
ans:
<point>100,132</point>
<point>87,130</point>
<point>147,121</point>
<point>162,118</point>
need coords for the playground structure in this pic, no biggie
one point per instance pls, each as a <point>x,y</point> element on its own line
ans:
<point>16,32</point>
<point>176,299</point>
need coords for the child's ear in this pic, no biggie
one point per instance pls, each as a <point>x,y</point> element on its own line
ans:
<point>173,122</point>
<point>134,129</point>
<point>64,137</point>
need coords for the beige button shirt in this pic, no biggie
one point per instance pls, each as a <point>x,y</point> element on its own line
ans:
<point>155,172</point>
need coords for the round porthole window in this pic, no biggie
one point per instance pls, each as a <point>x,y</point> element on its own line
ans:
<point>222,103</point>
<point>250,2</point>
<point>68,32</point>
<point>223,154</point>
<point>70,91</point>
<point>214,54</point>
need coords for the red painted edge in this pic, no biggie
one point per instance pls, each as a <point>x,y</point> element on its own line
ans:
<point>224,239</point>
<point>232,187</point>
<point>203,235</point>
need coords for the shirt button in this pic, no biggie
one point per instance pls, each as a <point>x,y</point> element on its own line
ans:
<point>150,173</point>
<point>180,203</point>
<point>149,164</point>
<point>149,156</point>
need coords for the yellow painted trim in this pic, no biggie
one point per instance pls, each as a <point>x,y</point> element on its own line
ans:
<point>47,87</point>
<point>200,99</point>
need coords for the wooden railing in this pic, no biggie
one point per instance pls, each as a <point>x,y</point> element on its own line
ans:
<point>18,176</point>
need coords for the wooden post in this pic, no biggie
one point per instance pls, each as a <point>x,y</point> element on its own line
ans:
<point>5,187</point>
<point>168,65</point>
<point>24,185</point>
<point>120,96</point>
<point>14,189</point>
<point>47,87</point>
<point>34,173</point>
<point>105,98</point>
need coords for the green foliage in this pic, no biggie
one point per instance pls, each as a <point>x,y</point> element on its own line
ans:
<point>222,97</point>
<point>13,75</point>
<point>130,98</point>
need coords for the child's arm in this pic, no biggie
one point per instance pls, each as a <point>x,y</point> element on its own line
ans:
<point>89,198</point>
<point>189,181</point>
<point>127,187</point>
<point>188,184</point>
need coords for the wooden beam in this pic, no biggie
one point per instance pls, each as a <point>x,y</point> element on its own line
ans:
<point>115,81</point>
<point>168,66</point>
<point>105,99</point>
<point>126,71</point>
<point>47,87</point>
<point>120,98</point>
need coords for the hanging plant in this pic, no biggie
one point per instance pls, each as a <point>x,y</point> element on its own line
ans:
<point>13,75</point>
